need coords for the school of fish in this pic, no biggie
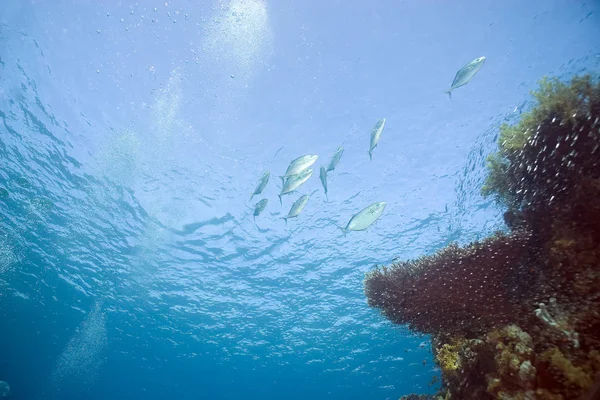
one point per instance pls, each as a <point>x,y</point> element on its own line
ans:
<point>299,171</point>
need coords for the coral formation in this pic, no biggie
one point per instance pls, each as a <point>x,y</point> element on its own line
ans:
<point>447,357</point>
<point>559,322</point>
<point>517,315</point>
<point>457,291</point>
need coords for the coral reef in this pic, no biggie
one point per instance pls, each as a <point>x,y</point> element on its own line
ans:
<point>517,315</point>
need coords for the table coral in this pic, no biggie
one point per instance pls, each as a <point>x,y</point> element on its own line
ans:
<point>457,291</point>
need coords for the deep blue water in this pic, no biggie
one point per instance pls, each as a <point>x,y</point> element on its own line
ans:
<point>133,134</point>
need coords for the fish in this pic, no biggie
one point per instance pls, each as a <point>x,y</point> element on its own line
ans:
<point>297,207</point>
<point>465,74</point>
<point>294,182</point>
<point>298,165</point>
<point>261,184</point>
<point>260,206</point>
<point>323,177</point>
<point>335,160</point>
<point>375,135</point>
<point>365,218</point>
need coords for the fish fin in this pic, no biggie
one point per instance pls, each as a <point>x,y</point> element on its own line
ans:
<point>343,230</point>
<point>449,92</point>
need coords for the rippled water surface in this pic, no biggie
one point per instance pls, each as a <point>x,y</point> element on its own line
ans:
<point>133,135</point>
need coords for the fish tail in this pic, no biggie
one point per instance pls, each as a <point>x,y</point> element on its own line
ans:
<point>280,201</point>
<point>326,196</point>
<point>285,219</point>
<point>370,156</point>
<point>449,92</point>
<point>343,230</point>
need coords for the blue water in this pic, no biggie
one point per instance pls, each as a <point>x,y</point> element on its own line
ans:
<point>133,134</point>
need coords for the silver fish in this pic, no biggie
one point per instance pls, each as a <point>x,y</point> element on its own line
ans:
<point>323,177</point>
<point>297,207</point>
<point>375,135</point>
<point>298,165</point>
<point>261,184</point>
<point>365,218</point>
<point>260,206</point>
<point>465,74</point>
<point>294,182</point>
<point>335,160</point>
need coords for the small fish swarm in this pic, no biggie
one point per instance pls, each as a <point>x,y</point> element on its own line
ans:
<point>517,315</point>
